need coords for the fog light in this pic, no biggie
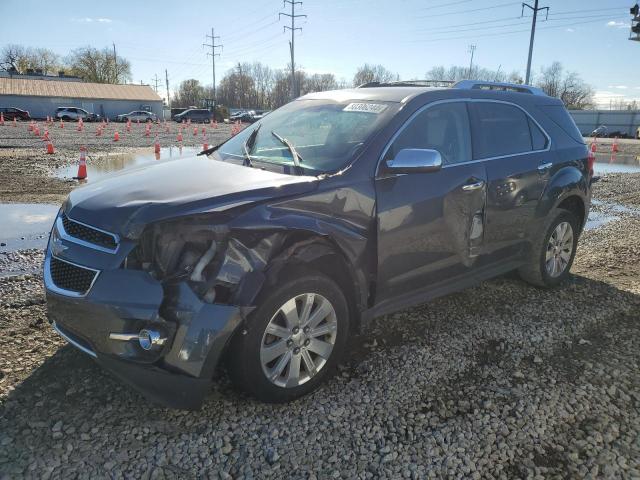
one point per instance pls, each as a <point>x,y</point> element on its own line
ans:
<point>149,339</point>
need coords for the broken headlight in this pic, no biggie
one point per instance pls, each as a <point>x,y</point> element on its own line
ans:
<point>181,250</point>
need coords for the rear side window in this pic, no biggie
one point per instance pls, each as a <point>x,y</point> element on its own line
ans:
<point>499,129</point>
<point>561,117</point>
<point>443,127</point>
<point>538,139</point>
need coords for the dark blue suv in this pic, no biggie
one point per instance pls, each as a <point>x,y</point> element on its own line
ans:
<point>266,252</point>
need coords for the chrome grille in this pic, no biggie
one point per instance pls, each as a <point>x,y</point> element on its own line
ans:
<point>70,277</point>
<point>88,234</point>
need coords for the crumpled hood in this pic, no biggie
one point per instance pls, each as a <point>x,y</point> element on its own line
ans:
<point>126,202</point>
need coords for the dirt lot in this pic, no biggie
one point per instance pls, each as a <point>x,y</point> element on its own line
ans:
<point>500,381</point>
<point>25,166</point>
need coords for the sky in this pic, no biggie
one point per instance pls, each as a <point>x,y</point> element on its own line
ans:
<point>409,37</point>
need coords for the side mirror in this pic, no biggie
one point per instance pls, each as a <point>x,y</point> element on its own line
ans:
<point>415,160</point>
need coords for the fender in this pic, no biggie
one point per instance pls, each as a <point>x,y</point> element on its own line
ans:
<point>271,239</point>
<point>566,182</point>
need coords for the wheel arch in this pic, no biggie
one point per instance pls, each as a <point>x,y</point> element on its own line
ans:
<point>568,189</point>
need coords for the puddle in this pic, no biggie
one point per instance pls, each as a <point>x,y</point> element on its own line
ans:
<point>115,163</point>
<point>616,163</point>
<point>25,225</point>
<point>604,212</point>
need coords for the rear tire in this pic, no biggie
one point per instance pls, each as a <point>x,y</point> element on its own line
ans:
<point>552,253</point>
<point>276,359</point>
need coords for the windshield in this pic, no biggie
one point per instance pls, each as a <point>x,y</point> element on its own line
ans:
<point>326,135</point>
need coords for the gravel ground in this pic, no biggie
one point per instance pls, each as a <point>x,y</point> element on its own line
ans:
<point>26,168</point>
<point>499,381</point>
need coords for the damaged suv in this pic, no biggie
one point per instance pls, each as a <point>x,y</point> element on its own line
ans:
<point>268,251</point>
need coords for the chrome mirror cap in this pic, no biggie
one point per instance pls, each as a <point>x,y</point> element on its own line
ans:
<point>415,160</point>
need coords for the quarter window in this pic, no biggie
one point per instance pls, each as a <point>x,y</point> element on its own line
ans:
<point>443,127</point>
<point>500,129</point>
<point>538,138</point>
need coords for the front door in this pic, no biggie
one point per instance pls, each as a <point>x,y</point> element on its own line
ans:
<point>430,225</point>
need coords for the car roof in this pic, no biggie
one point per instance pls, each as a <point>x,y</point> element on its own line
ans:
<point>384,94</point>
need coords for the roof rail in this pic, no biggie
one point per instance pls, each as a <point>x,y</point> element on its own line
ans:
<point>509,87</point>
<point>409,83</point>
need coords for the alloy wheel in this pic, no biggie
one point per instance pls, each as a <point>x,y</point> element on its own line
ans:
<point>559,249</point>
<point>298,340</point>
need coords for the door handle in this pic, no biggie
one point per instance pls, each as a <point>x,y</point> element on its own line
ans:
<point>473,186</point>
<point>543,167</point>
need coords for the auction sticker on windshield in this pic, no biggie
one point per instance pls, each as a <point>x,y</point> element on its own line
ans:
<point>365,107</point>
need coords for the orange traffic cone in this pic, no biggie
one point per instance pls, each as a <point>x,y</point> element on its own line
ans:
<point>614,147</point>
<point>36,131</point>
<point>205,145</point>
<point>45,137</point>
<point>116,136</point>
<point>179,136</point>
<point>591,159</point>
<point>594,147</point>
<point>128,125</point>
<point>61,123</point>
<point>1,118</point>
<point>82,167</point>
<point>156,145</point>
<point>50,149</point>
<point>98,131</point>
<point>195,131</point>
<point>15,123</point>
<point>215,124</point>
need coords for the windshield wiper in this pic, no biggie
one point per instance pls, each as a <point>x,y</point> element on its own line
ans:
<point>210,150</point>
<point>248,145</point>
<point>295,156</point>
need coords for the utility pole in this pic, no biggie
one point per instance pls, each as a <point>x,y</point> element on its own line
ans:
<point>472,49</point>
<point>115,63</point>
<point>293,28</point>
<point>535,9</point>
<point>213,54</point>
<point>155,81</point>
<point>166,79</point>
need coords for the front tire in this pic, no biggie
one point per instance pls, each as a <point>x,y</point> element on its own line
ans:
<point>553,252</point>
<point>293,341</point>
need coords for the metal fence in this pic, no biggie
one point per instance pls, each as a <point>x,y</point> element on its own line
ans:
<point>623,121</point>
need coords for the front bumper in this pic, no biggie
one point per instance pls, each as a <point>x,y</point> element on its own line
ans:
<point>123,301</point>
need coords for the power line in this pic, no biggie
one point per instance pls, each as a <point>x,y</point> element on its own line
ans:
<point>472,49</point>
<point>535,10</point>
<point>213,59</point>
<point>459,12</point>
<point>293,29</point>
<point>497,34</point>
<point>155,81</point>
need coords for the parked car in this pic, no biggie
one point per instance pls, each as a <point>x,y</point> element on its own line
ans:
<point>9,113</point>
<point>249,116</point>
<point>75,113</point>
<point>196,115</point>
<point>638,133</point>
<point>266,254</point>
<point>137,116</point>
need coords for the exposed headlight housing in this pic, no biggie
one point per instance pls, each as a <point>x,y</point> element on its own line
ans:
<point>181,250</point>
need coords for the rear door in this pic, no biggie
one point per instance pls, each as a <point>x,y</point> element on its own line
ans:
<point>516,153</point>
<point>430,224</point>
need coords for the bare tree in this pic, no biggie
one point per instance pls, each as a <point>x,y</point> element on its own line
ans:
<point>320,82</point>
<point>190,93</point>
<point>568,87</point>
<point>93,65</point>
<point>456,73</point>
<point>19,59</point>
<point>373,73</point>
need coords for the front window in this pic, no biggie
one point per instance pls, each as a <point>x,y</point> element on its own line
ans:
<point>326,134</point>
